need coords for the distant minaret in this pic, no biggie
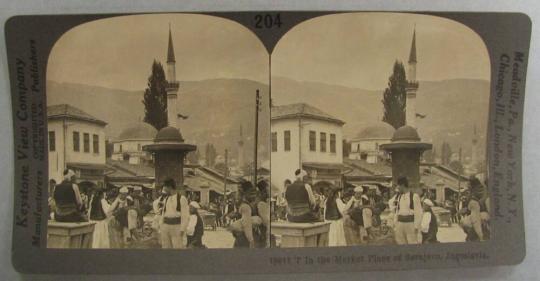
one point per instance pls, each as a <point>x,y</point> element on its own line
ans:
<point>172,85</point>
<point>241,149</point>
<point>412,86</point>
<point>474,151</point>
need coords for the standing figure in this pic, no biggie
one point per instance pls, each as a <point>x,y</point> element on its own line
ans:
<point>334,209</point>
<point>281,202</point>
<point>157,206</point>
<point>175,217</point>
<point>358,228</point>
<point>119,212</point>
<point>50,202</point>
<point>248,231</point>
<point>195,227</point>
<point>68,200</point>
<point>429,226</point>
<point>408,214</point>
<point>474,205</point>
<point>98,213</point>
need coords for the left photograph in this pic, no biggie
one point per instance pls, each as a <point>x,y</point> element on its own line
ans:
<point>158,135</point>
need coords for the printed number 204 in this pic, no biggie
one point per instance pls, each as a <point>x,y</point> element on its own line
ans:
<point>267,21</point>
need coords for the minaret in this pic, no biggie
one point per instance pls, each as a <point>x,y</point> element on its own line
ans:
<point>172,85</point>
<point>241,149</point>
<point>412,86</point>
<point>474,150</point>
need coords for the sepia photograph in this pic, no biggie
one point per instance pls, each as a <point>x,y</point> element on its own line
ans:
<point>158,135</point>
<point>378,132</point>
<point>261,142</point>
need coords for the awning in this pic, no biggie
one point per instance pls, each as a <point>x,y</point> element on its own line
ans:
<point>87,166</point>
<point>325,166</point>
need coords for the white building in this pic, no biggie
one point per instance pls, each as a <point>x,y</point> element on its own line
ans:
<point>76,141</point>
<point>365,146</point>
<point>128,146</point>
<point>304,136</point>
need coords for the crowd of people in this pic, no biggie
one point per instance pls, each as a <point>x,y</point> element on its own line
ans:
<point>119,213</point>
<point>354,213</point>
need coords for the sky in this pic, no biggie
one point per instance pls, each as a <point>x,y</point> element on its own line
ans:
<point>118,52</point>
<point>359,49</point>
<point>355,50</point>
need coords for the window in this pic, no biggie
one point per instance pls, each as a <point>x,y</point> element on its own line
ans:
<point>287,140</point>
<point>312,141</point>
<point>86,142</point>
<point>95,143</point>
<point>323,142</point>
<point>274,142</point>
<point>333,143</point>
<point>76,144</point>
<point>138,147</point>
<point>52,141</point>
<point>120,148</point>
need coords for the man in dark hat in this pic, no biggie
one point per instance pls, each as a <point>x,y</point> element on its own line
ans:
<point>247,230</point>
<point>175,217</point>
<point>408,214</point>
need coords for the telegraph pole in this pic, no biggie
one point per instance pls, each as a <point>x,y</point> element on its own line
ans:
<point>257,109</point>
<point>226,172</point>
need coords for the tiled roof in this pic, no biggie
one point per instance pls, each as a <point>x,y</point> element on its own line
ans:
<point>138,131</point>
<point>379,130</point>
<point>375,169</point>
<point>124,169</point>
<point>302,110</point>
<point>68,111</point>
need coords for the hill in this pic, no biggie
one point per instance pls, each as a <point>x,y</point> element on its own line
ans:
<point>217,107</point>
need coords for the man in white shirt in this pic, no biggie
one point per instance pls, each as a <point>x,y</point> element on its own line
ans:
<point>408,214</point>
<point>175,217</point>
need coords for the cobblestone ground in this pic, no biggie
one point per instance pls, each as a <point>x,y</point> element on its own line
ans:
<point>214,239</point>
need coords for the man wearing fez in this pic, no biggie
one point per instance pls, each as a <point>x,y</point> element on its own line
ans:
<point>408,214</point>
<point>175,217</point>
<point>67,198</point>
<point>300,200</point>
<point>361,217</point>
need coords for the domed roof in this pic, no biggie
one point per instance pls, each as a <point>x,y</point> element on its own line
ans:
<point>379,130</point>
<point>405,133</point>
<point>169,134</point>
<point>138,131</point>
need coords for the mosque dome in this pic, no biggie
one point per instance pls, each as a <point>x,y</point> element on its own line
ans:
<point>405,133</point>
<point>138,131</point>
<point>169,134</point>
<point>379,130</point>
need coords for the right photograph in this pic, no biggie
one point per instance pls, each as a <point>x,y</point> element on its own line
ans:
<point>378,132</point>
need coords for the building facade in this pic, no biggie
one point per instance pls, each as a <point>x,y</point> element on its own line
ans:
<point>303,136</point>
<point>129,144</point>
<point>76,141</point>
<point>366,145</point>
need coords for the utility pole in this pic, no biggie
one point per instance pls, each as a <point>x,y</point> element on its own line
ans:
<point>226,172</point>
<point>257,109</point>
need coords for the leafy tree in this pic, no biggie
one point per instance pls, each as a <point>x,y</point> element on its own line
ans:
<point>395,96</point>
<point>210,155</point>
<point>446,153</point>
<point>155,98</point>
<point>193,157</point>
<point>456,166</point>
